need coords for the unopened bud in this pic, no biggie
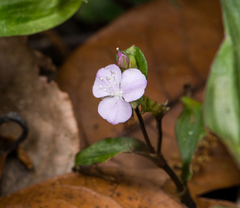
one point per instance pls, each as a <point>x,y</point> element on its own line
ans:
<point>132,58</point>
<point>122,60</point>
<point>132,62</point>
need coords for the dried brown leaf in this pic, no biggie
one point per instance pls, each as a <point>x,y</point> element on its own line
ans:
<point>53,135</point>
<point>75,190</point>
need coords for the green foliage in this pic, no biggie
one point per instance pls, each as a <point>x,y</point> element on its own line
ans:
<point>104,11</point>
<point>136,59</point>
<point>105,149</point>
<point>24,17</point>
<point>99,11</point>
<point>137,2</point>
<point>139,57</point>
<point>222,100</point>
<point>147,105</point>
<point>189,131</point>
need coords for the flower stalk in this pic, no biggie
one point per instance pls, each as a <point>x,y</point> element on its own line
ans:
<point>122,89</point>
<point>159,129</point>
<point>160,161</point>
<point>145,135</point>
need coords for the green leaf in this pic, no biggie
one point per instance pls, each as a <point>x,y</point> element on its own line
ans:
<point>140,59</point>
<point>24,17</point>
<point>189,131</point>
<point>222,100</point>
<point>105,149</point>
<point>97,11</point>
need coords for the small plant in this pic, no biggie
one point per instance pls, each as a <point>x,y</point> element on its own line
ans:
<point>123,93</point>
<point>122,90</point>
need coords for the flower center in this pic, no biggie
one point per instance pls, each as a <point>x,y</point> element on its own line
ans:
<point>112,88</point>
<point>118,94</point>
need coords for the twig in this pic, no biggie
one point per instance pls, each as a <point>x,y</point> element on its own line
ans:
<point>19,120</point>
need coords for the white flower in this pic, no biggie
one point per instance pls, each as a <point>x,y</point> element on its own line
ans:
<point>118,89</point>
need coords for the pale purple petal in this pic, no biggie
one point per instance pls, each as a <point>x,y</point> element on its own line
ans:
<point>115,111</point>
<point>98,88</point>
<point>133,84</point>
<point>107,80</point>
<point>116,73</point>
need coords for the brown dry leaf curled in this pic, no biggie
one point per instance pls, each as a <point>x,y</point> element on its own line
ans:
<point>53,136</point>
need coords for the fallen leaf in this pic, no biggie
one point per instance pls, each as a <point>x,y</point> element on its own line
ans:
<point>21,154</point>
<point>53,136</point>
<point>75,190</point>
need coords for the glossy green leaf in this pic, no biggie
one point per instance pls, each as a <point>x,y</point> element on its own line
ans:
<point>222,100</point>
<point>105,149</point>
<point>140,59</point>
<point>189,131</point>
<point>24,17</point>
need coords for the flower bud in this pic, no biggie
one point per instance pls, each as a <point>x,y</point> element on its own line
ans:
<point>122,60</point>
<point>156,109</point>
<point>132,62</point>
